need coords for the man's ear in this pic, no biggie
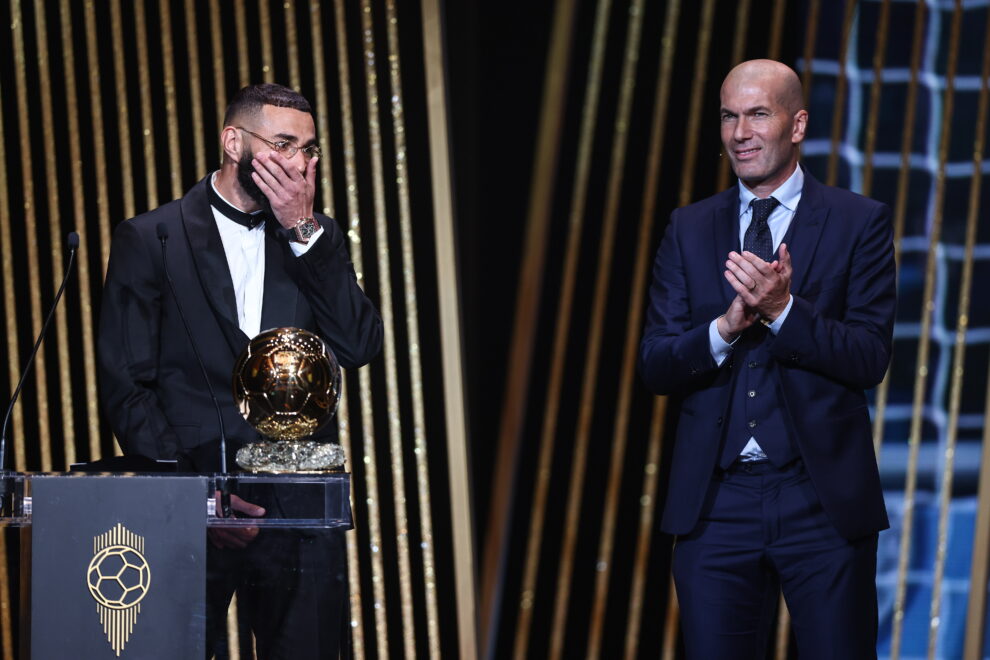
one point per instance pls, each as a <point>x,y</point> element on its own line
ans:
<point>800,126</point>
<point>232,143</point>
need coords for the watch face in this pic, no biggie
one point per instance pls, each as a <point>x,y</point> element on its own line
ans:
<point>306,229</point>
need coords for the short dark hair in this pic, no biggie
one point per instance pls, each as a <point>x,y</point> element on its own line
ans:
<point>249,100</point>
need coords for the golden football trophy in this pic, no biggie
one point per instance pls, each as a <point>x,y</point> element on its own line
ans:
<point>287,387</point>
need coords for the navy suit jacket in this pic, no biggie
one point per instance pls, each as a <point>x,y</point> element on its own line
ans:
<point>151,386</point>
<point>834,344</point>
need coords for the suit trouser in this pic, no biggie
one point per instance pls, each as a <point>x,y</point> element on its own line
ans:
<point>291,593</point>
<point>762,529</point>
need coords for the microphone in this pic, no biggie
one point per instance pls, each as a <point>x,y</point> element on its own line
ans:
<point>162,232</point>
<point>73,243</point>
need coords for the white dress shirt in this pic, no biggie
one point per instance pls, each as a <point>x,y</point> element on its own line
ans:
<point>245,251</point>
<point>789,195</point>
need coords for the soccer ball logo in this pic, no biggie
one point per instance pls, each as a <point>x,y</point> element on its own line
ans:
<point>118,577</point>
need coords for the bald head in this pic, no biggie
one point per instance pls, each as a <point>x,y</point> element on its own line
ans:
<point>763,123</point>
<point>776,78</point>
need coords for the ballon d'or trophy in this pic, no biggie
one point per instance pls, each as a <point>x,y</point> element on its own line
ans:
<point>287,386</point>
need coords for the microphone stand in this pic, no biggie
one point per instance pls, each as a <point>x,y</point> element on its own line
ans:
<point>73,243</point>
<point>223,482</point>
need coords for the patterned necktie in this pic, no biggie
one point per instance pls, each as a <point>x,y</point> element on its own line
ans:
<point>758,239</point>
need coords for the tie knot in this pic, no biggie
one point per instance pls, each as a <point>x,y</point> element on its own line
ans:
<point>758,238</point>
<point>762,208</point>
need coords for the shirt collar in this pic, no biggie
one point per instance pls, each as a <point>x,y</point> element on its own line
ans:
<point>231,212</point>
<point>788,193</point>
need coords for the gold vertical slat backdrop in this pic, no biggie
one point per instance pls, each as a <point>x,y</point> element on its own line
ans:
<point>575,565</point>
<point>526,604</point>
<point>651,181</point>
<point>379,610</point>
<point>924,352</point>
<point>977,605</point>
<point>619,146</point>
<point>527,303</point>
<point>108,109</point>
<point>685,196</point>
<point>412,328</point>
<point>435,61</point>
<point>55,241</point>
<point>386,308</point>
<point>79,215</point>
<point>948,459</point>
<point>609,220</point>
<point>6,611</point>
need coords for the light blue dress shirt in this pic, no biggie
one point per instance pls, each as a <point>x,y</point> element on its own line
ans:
<point>789,195</point>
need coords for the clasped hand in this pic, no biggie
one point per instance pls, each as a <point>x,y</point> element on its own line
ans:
<point>236,537</point>
<point>762,290</point>
<point>290,192</point>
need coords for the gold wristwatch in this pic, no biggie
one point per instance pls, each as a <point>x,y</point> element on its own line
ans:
<point>305,229</point>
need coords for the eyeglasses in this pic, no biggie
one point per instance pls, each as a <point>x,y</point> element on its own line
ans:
<point>285,147</point>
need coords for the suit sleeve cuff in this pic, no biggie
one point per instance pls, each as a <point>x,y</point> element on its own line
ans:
<point>717,346</point>
<point>779,321</point>
<point>299,249</point>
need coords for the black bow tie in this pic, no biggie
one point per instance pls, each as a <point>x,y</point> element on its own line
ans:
<point>249,220</point>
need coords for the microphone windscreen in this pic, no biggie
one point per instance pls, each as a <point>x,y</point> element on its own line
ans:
<point>73,240</point>
<point>162,231</point>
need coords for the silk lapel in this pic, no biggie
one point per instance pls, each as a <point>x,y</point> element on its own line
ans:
<point>278,308</point>
<point>211,262</point>
<point>808,223</point>
<point>726,230</point>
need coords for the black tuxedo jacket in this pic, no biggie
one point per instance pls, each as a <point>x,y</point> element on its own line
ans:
<point>151,386</point>
<point>835,342</point>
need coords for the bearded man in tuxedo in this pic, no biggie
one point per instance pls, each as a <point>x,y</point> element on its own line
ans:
<point>246,252</point>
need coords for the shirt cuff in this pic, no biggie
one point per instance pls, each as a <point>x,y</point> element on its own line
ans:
<point>779,321</point>
<point>718,347</point>
<point>299,249</point>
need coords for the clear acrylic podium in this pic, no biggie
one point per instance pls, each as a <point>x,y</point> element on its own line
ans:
<point>115,565</point>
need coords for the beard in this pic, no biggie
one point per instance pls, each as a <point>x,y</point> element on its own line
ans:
<point>247,184</point>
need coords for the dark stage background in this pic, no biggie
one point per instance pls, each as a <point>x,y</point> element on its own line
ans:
<point>505,172</point>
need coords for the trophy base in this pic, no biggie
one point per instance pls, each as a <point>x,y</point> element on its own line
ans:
<point>291,456</point>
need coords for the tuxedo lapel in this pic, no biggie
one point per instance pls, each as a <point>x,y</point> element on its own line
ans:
<point>808,223</point>
<point>279,305</point>
<point>211,262</point>
<point>726,239</point>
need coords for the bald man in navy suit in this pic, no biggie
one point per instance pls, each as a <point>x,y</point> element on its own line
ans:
<point>771,311</point>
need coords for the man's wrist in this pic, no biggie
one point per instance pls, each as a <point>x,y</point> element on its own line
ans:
<point>304,229</point>
<point>717,347</point>
<point>288,219</point>
<point>723,331</point>
<point>778,318</point>
<point>766,318</point>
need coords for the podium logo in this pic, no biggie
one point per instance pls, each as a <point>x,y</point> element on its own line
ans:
<point>118,578</point>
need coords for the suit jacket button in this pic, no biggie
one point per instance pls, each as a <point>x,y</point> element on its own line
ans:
<point>718,422</point>
<point>752,423</point>
<point>694,372</point>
